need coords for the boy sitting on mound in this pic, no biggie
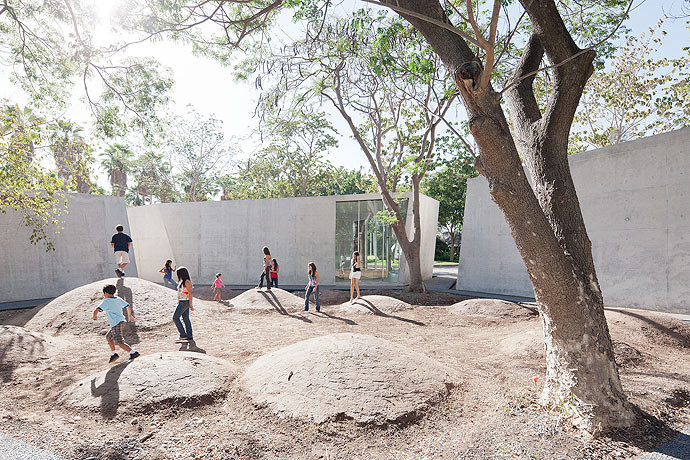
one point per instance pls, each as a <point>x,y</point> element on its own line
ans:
<point>112,306</point>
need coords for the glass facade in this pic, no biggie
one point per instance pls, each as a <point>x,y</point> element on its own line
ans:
<point>359,227</point>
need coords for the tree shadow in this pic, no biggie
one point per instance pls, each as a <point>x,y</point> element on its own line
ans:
<point>680,338</point>
<point>130,330</point>
<point>371,307</point>
<point>275,303</point>
<point>339,318</point>
<point>109,390</point>
<point>191,346</point>
<point>7,367</point>
<point>651,434</point>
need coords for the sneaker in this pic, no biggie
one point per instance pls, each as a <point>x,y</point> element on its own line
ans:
<point>114,357</point>
<point>133,355</point>
<point>306,308</point>
<point>318,308</point>
<point>268,289</point>
<point>119,273</point>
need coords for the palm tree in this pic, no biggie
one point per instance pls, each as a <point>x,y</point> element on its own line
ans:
<point>117,163</point>
<point>71,154</point>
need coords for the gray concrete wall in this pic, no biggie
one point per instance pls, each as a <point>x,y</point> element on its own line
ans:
<point>635,198</point>
<point>82,250</point>
<point>227,237</point>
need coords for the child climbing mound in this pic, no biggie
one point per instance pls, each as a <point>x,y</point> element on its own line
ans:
<point>167,272</point>
<point>112,306</point>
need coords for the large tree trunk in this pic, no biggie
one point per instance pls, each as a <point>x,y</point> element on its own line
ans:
<point>452,245</point>
<point>546,223</point>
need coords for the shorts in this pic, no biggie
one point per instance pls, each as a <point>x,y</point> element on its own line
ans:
<point>121,257</point>
<point>355,275</point>
<point>115,333</point>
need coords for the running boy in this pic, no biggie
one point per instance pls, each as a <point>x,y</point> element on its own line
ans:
<point>112,306</point>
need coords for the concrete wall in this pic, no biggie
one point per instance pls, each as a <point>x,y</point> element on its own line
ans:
<point>82,250</point>
<point>635,198</point>
<point>227,237</point>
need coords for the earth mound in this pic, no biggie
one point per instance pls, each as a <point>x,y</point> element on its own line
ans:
<point>492,308</point>
<point>20,345</point>
<point>71,313</point>
<point>525,343</point>
<point>347,376</point>
<point>375,305</point>
<point>275,299</point>
<point>152,381</point>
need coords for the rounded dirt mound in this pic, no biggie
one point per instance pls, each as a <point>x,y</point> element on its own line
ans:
<point>152,381</point>
<point>347,376</point>
<point>524,343</point>
<point>375,305</point>
<point>71,313</point>
<point>492,308</point>
<point>20,345</point>
<point>273,300</point>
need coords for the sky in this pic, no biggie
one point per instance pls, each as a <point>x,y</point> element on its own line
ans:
<point>210,88</point>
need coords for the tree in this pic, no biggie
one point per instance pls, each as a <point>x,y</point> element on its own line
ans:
<point>117,163</point>
<point>637,96</point>
<point>25,185</point>
<point>198,151</point>
<point>72,155</point>
<point>449,186</point>
<point>297,141</point>
<point>389,89</point>
<point>546,222</point>
<point>154,178</point>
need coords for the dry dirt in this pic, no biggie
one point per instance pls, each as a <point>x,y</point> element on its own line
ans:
<point>491,414</point>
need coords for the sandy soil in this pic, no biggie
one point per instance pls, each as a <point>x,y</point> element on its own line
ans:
<point>492,414</point>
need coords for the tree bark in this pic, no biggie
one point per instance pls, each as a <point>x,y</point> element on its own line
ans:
<point>546,223</point>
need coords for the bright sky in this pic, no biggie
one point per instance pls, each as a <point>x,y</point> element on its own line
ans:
<point>209,87</point>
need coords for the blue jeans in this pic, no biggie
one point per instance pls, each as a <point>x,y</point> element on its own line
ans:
<point>182,311</point>
<point>266,274</point>
<point>274,281</point>
<point>169,281</point>
<point>315,290</point>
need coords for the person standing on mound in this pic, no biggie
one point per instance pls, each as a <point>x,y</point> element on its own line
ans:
<point>312,286</point>
<point>167,272</point>
<point>121,243</point>
<point>184,305</point>
<point>355,275</point>
<point>112,306</point>
<point>267,270</point>
<point>274,272</point>
<point>217,285</point>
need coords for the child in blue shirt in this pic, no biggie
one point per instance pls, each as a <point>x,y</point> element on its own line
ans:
<point>112,306</point>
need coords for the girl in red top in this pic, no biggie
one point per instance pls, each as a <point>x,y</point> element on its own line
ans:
<point>274,272</point>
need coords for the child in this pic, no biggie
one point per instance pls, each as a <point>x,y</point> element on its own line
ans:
<point>312,286</point>
<point>167,274</point>
<point>217,284</point>
<point>267,270</point>
<point>274,272</point>
<point>121,243</point>
<point>184,305</point>
<point>112,306</point>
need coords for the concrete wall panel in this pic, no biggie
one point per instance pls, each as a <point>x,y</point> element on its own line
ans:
<point>82,250</point>
<point>635,199</point>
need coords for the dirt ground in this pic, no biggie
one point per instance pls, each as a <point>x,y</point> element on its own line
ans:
<point>491,414</point>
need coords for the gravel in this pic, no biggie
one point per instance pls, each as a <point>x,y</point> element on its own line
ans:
<point>12,449</point>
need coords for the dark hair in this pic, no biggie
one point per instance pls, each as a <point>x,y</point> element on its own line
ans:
<point>168,263</point>
<point>110,289</point>
<point>312,268</point>
<point>275,263</point>
<point>119,228</point>
<point>218,275</point>
<point>183,275</point>
<point>266,251</point>
<point>354,255</point>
